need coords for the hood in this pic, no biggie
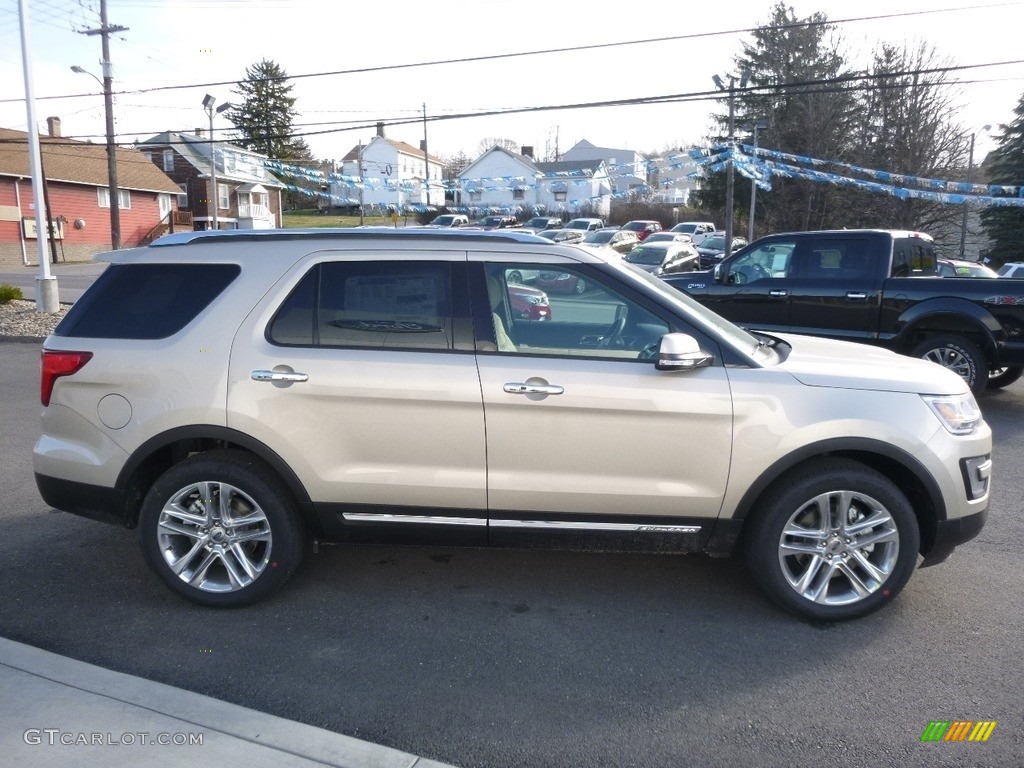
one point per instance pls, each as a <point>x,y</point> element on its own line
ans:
<point>828,363</point>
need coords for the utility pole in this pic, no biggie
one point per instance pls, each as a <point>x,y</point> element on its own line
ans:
<point>730,176</point>
<point>426,160</point>
<point>970,167</point>
<point>362,220</point>
<point>108,107</point>
<point>753,184</point>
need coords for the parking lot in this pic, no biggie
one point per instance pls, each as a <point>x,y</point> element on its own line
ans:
<point>536,658</point>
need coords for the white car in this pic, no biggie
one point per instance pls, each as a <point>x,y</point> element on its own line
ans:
<point>1012,269</point>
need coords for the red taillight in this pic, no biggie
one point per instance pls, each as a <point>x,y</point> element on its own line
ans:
<point>56,364</point>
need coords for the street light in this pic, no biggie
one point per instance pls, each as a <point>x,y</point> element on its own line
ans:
<point>208,102</point>
<point>730,177</point>
<point>970,167</point>
<point>108,108</point>
<point>753,184</point>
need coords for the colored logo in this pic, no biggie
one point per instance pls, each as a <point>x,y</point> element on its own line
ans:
<point>958,730</point>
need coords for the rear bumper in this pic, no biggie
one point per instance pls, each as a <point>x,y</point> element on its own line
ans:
<point>951,533</point>
<point>93,501</point>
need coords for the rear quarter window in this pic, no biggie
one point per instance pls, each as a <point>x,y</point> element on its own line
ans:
<point>145,301</point>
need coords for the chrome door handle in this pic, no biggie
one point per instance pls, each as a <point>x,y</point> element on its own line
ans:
<point>778,292</point>
<point>520,388</point>
<point>857,295</point>
<point>278,376</point>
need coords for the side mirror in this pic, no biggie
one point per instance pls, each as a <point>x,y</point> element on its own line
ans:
<point>681,352</point>
<point>720,274</point>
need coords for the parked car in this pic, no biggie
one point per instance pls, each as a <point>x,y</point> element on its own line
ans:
<point>668,237</point>
<point>963,268</point>
<point>622,241</point>
<point>697,230</point>
<point>540,223</point>
<point>712,249</point>
<point>237,396</point>
<point>1012,269</point>
<point>655,257</point>
<point>527,303</point>
<point>587,225</point>
<point>555,281</point>
<point>564,235</point>
<point>497,222</point>
<point>642,227</point>
<point>450,220</point>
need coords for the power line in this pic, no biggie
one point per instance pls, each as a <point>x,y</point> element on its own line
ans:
<point>548,51</point>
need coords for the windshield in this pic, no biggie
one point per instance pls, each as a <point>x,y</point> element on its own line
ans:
<point>444,221</point>
<point>688,229</point>
<point>599,237</point>
<point>648,256</point>
<point>716,243</point>
<point>577,224</point>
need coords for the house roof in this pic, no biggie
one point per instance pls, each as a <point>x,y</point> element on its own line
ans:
<point>196,151</point>
<point>523,160</point>
<point>586,149</point>
<point>400,146</point>
<point>568,166</point>
<point>79,162</point>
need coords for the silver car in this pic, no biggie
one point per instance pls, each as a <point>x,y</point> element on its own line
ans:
<point>235,395</point>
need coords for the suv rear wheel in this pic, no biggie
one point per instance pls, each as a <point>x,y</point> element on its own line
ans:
<point>220,529</point>
<point>833,541</point>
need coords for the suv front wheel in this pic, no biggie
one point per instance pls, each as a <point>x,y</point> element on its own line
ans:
<point>220,529</point>
<point>834,540</point>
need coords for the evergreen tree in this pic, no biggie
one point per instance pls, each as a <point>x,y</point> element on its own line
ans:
<point>1005,165</point>
<point>265,115</point>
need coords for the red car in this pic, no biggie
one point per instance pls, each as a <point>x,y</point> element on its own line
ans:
<point>528,303</point>
<point>560,282</point>
<point>642,227</point>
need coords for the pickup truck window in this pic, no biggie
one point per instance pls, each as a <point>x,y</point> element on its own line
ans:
<point>912,256</point>
<point>836,259</point>
<point>771,260</point>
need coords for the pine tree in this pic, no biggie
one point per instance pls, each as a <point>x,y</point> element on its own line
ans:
<point>1005,165</point>
<point>266,113</point>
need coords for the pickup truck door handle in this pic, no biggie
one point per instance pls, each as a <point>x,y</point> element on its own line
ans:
<point>521,388</point>
<point>778,292</point>
<point>856,295</point>
<point>278,376</point>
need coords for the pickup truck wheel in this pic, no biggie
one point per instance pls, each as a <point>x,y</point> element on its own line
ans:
<point>833,540</point>
<point>220,529</point>
<point>959,355</point>
<point>1004,377</point>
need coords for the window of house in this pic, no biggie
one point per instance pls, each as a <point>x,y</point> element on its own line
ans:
<point>518,194</point>
<point>474,196</point>
<point>560,197</point>
<point>168,159</point>
<point>223,196</point>
<point>392,305</point>
<point>183,196</point>
<point>124,198</point>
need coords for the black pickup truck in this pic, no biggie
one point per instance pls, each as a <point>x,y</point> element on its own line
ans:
<point>871,286</point>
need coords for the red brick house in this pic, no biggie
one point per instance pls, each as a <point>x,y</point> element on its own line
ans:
<point>78,187</point>
<point>248,196</point>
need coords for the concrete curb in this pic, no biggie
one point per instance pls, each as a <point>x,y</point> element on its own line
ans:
<point>42,690</point>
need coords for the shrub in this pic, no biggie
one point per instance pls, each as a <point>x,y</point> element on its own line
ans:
<point>9,293</point>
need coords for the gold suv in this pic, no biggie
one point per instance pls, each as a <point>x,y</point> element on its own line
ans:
<point>235,395</point>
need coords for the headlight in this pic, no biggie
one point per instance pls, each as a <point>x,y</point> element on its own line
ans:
<point>958,413</point>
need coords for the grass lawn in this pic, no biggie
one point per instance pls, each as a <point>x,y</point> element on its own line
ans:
<point>314,219</point>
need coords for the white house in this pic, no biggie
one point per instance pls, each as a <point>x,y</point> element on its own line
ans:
<point>673,177</point>
<point>501,180</point>
<point>627,170</point>
<point>391,174</point>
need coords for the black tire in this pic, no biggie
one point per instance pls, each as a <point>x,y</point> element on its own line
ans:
<point>791,568</point>
<point>225,560</point>
<point>1004,377</point>
<point>958,355</point>
<point>580,287</point>
<point>515,276</point>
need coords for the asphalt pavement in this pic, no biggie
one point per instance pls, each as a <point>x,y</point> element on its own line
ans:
<point>60,711</point>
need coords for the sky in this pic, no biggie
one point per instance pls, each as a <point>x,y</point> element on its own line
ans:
<point>207,45</point>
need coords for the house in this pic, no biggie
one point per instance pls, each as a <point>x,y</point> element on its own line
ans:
<point>502,181</point>
<point>392,174</point>
<point>672,177</point>
<point>78,188</point>
<point>248,195</point>
<point>627,170</point>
